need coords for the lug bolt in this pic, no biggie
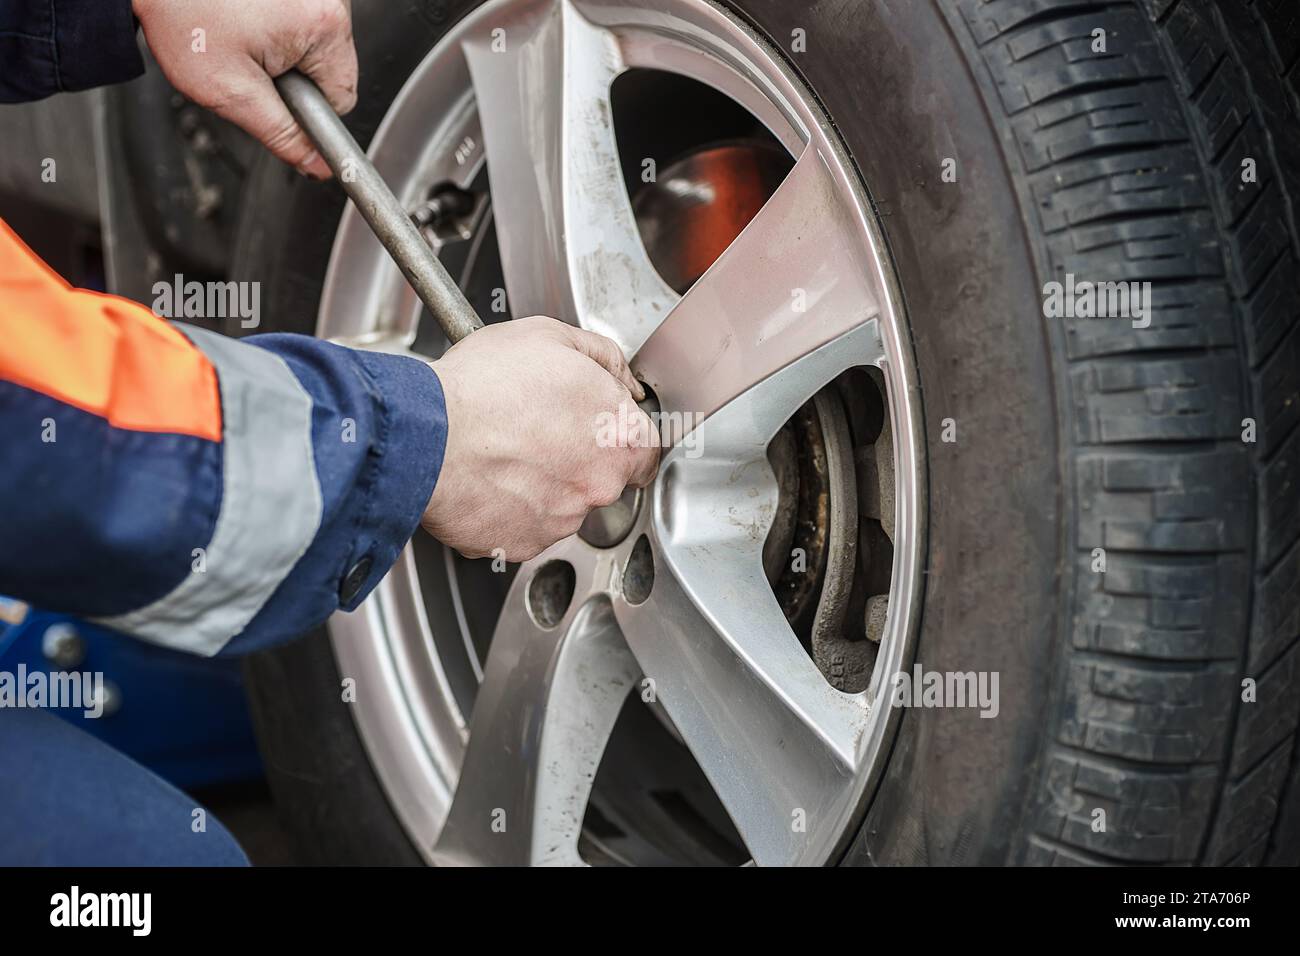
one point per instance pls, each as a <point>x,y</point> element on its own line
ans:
<point>446,204</point>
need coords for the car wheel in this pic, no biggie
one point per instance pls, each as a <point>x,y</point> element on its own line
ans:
<point>838,242</point>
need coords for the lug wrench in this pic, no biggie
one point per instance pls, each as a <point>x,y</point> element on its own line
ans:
<point>390,223</point>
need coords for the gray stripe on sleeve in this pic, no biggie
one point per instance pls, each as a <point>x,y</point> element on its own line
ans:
<point>270,504</point>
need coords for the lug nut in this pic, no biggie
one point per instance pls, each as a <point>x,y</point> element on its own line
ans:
<point>445,204</point>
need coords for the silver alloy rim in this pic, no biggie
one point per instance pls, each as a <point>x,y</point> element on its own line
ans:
<point>790,757</point>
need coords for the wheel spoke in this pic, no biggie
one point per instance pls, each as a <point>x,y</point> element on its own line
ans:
<point>773,737</point>
<point>795,279</point>
<point>778,743</point>
<point>569,242</point>
<point>543,715</point>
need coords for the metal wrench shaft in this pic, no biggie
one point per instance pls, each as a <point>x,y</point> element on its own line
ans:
<point>391,224</point>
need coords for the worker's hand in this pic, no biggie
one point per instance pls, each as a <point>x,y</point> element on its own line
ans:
<point>228,66</point>
<point>529,405</point>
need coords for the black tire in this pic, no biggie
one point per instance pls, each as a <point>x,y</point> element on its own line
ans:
<point>1120,691</point>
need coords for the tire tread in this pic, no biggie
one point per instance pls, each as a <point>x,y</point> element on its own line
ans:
<point>1133,168</point>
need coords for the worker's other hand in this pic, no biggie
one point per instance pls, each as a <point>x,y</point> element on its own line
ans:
<point>529,455</point>
<point>224,55</point>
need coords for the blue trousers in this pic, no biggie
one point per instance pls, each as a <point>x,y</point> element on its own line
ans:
<point>66,799</point>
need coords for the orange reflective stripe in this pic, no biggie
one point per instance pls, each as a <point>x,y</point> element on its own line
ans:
<point>100,353</point>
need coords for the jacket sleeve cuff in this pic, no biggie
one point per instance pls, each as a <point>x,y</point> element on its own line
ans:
<point>95,43</point>
<point>410,446</point>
